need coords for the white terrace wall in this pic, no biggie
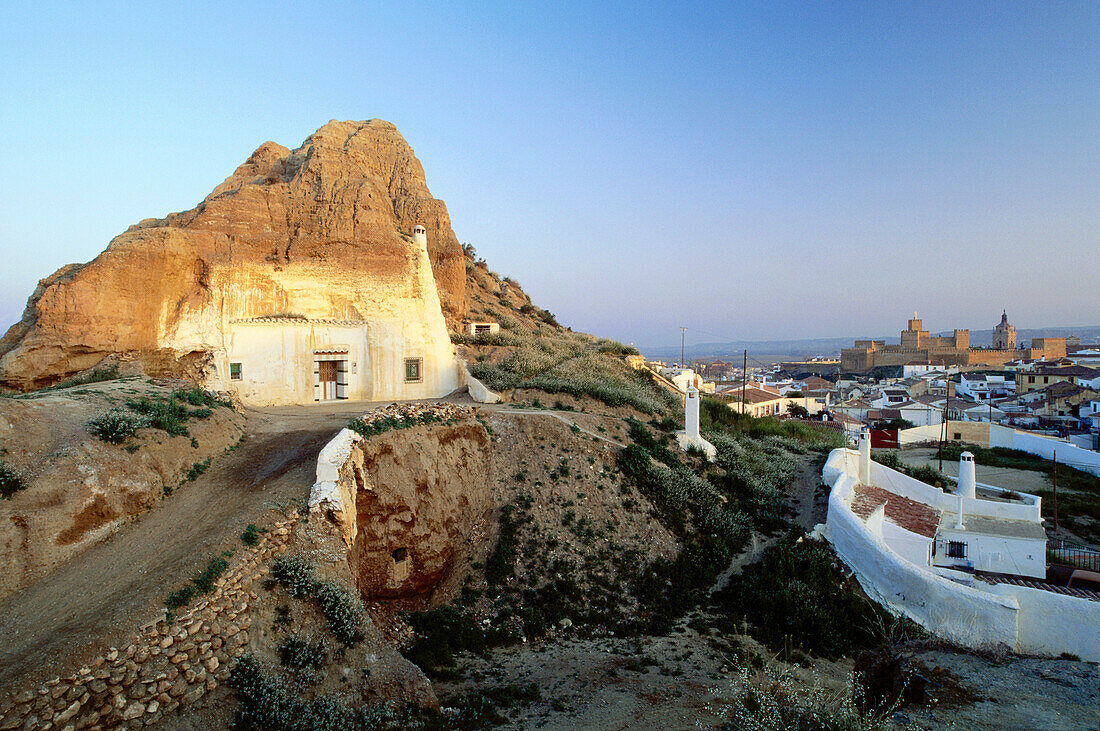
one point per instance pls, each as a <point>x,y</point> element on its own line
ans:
<point>995,435</point>
<point>1045,447</point>
<point>958,613</point>
<point>906,486</point>
<point>1052,624</point>
<point>1026,620</point>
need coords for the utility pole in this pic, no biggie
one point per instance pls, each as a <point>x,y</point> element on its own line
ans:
<point>682,347</point>
<point>1056,490</point>
<point>744,378</point>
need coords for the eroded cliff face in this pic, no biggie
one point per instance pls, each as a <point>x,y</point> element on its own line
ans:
<point>405,507</point>
<point>322,231</point>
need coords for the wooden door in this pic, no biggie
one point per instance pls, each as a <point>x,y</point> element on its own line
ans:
<point>327,375</point>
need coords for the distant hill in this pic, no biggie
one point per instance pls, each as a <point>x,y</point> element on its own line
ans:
<point>777,350</point>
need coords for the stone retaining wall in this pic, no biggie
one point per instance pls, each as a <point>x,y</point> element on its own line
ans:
<point>165,665</point>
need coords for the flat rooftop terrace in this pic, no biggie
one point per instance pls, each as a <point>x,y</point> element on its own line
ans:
<point>994,526</point>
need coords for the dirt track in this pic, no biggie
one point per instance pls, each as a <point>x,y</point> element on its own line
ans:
<point>100,597</point>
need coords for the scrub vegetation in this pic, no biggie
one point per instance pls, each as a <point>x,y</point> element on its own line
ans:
<point>167,413</point>
<point>10,481</point>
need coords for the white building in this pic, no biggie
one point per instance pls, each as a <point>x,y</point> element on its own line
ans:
<point>682,378</point>
<point>968,567</point>
<point>395,346</point>
<point>983,387</point>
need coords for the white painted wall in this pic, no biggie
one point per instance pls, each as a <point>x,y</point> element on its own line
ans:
<point>958,613</point>
<point>1082,459</point>
<point>998,554</point>
<point>1024,619</point>
<point>277,360</point>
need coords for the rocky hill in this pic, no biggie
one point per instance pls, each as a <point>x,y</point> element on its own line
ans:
<point>322,231</point>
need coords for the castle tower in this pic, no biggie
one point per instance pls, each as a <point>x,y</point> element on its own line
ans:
<point>1004,335</point>
<point>420,236</point>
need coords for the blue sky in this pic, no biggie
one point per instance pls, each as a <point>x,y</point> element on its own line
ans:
<point>758,170</point>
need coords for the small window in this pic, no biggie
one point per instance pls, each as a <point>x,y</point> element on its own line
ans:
<point>478,329</point>
<point>956,549</point>
<point>235,371</point>
<point>958,436</point>
<point>413,370</point>
<point>400,555</point>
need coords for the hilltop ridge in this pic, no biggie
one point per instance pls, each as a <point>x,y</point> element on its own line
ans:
<point>321,231</point>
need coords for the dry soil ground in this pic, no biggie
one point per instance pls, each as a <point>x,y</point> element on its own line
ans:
<point>685,680</point>
<point>105,593</point>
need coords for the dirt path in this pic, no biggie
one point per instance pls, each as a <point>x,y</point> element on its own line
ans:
<point>561,416</point>
<point>104,594</point>
<point>808,496</point>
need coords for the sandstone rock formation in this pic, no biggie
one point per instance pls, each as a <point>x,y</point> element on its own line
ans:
<point>322,231</point>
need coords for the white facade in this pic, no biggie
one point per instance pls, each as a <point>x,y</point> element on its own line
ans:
<point>984,387</point>
<point>682,378</point>
<point>398,349</point>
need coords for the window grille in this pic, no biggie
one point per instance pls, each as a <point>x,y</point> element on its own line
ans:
<point>414,370</point>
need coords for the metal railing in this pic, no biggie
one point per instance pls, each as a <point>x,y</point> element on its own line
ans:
<point>1072,554</point>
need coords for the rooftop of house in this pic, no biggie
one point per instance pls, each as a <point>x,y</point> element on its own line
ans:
<point>994,526</point>
<point>752,395</point>
<point>1062,389</point>
<point>909,514</point>
<point>1069,371</point>
<point>815,382</point>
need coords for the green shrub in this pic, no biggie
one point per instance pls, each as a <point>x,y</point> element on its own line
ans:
<point>499,565</point>
<point>295,574</point>
<point>373,427</point>
<point>202,583</point>
<point>300,654</point>
<point>160,413</point>
<point>440,635</point>
<point>781,701</point>
<point>10,481</point>
<point>251,535</point>
<point>796,596</point>
<point>198,397</point>
<point>197,469</point>
<point>497,339</point>
<point>269,702</point>
<point>114,427</point>
<point>614,347</point>
<point>341,608</point>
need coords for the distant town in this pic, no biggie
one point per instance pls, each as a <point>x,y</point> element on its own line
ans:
<point>1049,385</point>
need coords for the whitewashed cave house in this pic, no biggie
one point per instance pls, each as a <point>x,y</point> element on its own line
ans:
<point>400,350</point>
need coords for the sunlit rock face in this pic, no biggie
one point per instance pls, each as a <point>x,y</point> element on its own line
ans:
<point>298,258</point>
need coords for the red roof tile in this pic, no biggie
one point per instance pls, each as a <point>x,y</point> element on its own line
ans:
<point>909,514</point>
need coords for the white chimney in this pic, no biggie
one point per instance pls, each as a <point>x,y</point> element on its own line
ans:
<point>865,457</point>
<point>967,486</point>
<point>691,413</point>
<point>959,523</point>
